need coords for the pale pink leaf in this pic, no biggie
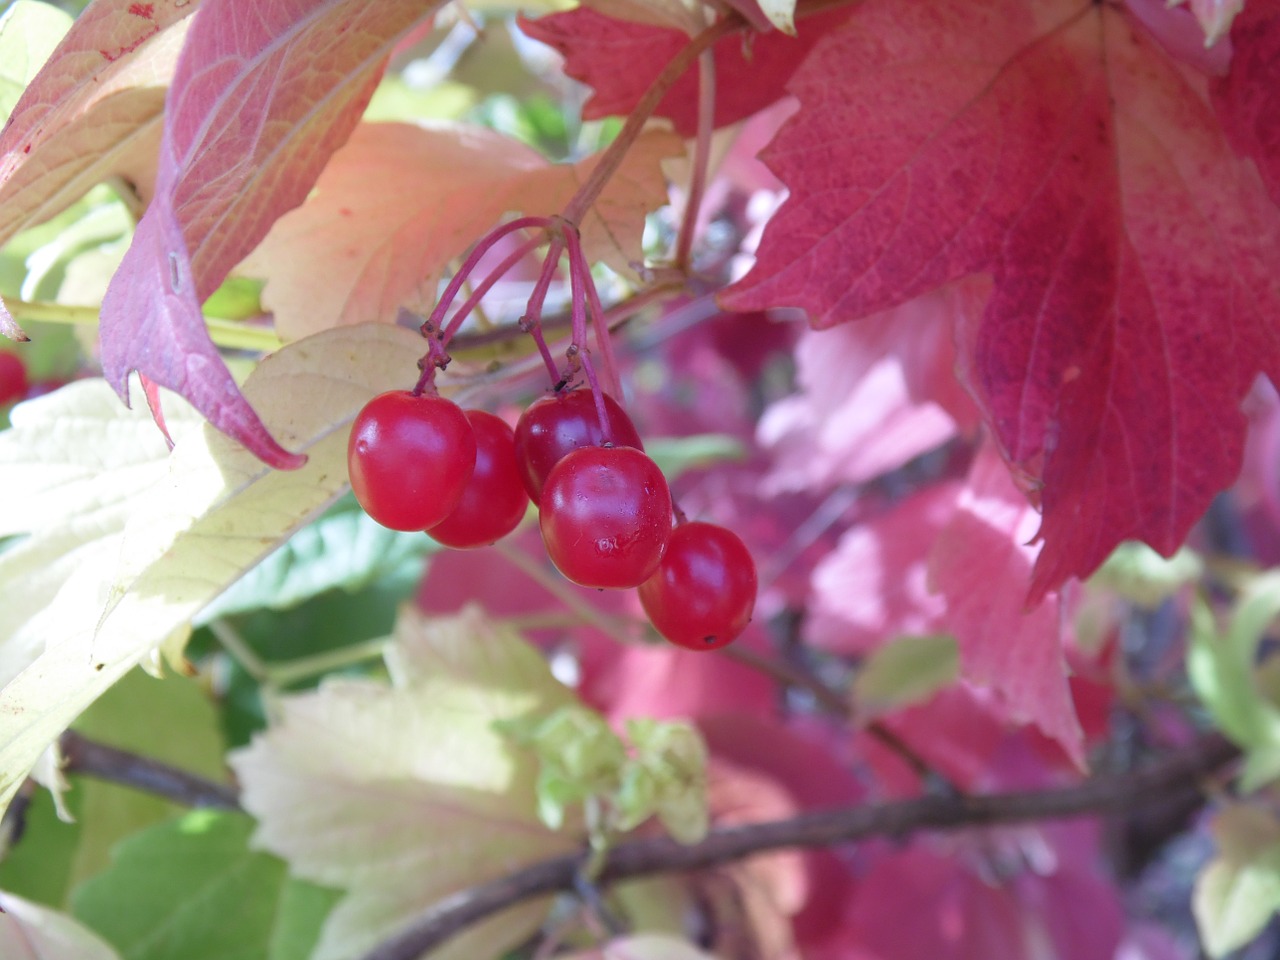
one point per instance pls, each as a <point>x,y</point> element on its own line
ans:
<point>1214,16</point>
<point>874,585</point>
<point>979,566</point>
<point>33,931</point>
<point>399,202</point>
<point>873,395</point>
<point>262,96</point>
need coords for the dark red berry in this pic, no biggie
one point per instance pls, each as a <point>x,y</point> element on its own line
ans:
<point>555,426</point>
<point>704,591</point>
<point>494,501</point>
<point>13,378</point>
<point>606,516</point>
<point>409,459</point>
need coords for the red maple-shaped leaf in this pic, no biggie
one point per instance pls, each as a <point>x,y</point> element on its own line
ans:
<point>263,95</point>
<point>1133,258</point>
<point>751,72</point>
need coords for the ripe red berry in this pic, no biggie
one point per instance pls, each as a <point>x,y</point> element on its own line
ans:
<point>494,501</point>
<point>13,378</point>
<point>409,459</point>
<point>606,516</point>
<point>704,591</point>
<point>556,426</point>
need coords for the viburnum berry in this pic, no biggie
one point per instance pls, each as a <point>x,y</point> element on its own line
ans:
<point>704,591</point>
<point>555,426</point>
<point>606,516</point>
<point>494,500</point>
<point>13,378</point>
<point>409,458</point>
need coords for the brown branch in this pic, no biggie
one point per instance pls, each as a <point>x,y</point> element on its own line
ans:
<point>1106,794</point>
<point>93,759</point>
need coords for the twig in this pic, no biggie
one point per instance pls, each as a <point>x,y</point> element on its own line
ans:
<point>94,759</point>
<point>1106,794</point>
<point>613,156</point>
<point>701,157</point>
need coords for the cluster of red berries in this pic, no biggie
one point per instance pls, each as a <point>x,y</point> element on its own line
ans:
<point>419,462</point>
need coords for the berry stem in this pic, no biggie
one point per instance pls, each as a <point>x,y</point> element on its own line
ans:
<point>578,259</point>
<point>436,320</point>
<point>701,157</point>
<point>613,156</point>
<point>580,282</point>
<point>531,322</point>
<point>486,285</point>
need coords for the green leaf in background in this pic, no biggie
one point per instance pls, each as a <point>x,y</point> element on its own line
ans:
<point>237,299</point>
<point>908,670</point>
<point>1239,891</point>
<point>191,889</point>
<point>1144,577</point>
<point>675,455</point>
<point>28,33</point>
<point>1222,672</point>
<point>29,931</point>
<point>343,550</point>
<point>171,720</point>
<point>38,867</point>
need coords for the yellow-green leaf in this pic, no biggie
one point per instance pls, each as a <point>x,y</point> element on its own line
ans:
<point>1221,668</point>
<point>1239,891</point>
<point>405,792</point>
<point>29,31</point>
<point>906,671</point>
<point>150,538</point>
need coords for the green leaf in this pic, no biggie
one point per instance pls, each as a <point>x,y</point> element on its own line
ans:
<point>1222,672</point>
<point>404,793</point>
<point>129,542</point>
<point>38,867</point>
<point>1239,891</point>
<point>675,455</point>
<point>342,550</point>
<point>669,757</point>
<point>29,31</point>
<point>170,720</point>
<point>239,298</point>
<point>29,931</point>
<point>908,670</point>
<point>1141,575</point>
<point>191,889</point>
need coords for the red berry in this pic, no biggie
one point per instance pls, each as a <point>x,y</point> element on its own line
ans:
<point>494,501</point>
<point>409,458</point>
<point>13,378</point>
<point>557,425</point>
<point>704,591</point>
<point>606,516</point>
